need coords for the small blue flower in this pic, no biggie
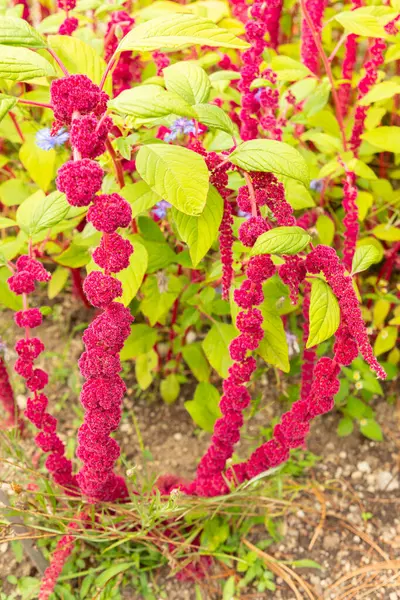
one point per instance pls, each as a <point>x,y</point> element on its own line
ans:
<point>46,141</point>
<point>180,127</point>
<point>316,185</point>
<point>161,209</point>
<point>242,213</point>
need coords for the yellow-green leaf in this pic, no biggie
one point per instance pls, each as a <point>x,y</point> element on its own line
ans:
<point>150,101</point>
<point>385,138</point>
<point>204,408</point>
<point>364,257</point>
<point>21,64</point>
<point>39,163</point>
<point>281,240</point>
<point>18,32</point>
<point>215,346</point>
<point>324,313</point>
<point>189,81</point>
<point>132,277</point>
<point>386,340</point>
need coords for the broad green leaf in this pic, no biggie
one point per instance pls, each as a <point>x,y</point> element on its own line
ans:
<point>74,257</point>
<point>176,32</point>
<point>364,257</point>
<point>289,69</point>
<point>79,57</point>
<point>364,202</point>
<point>132,277</point>
<point>140,196</point>
<point>193,356</point>
<point>385,138</point>
<point>297,195</point>
<point>361,169</point>
<point>372,241</point>
<point>324,313</point>
<point>189,81</point>
<point>200,232</point>
<point>345,427</point>
<point>13,192</point>
<point>204,408</point>
<point>21,64</point>
<point>326,229</point>
<point>318,99</point>
<point>177,174</point>
<point>6,104</point>
<point>5,222</point>
<point>39,163</point>
<point>214,117</point>
<point>386,340</point>
<point>380,91</point>
<point>215,346</point>
<point>40,212</point>
<point>380,311</point>
<point>170,388</point>
<point>281,240</point>
<point>7,298</point>
<point>271,156</point>
<point>387,233</point>
<point>18,32</point>
<point>371,429</point>
<point>360,23</point>
<point>274,347</point>
<point>325,142</point>
<point>57,282</point>
<point>150,101</point>
<point>141,341</point>
<point>158,297</point>
<point>160,255</point>
<point>144,367</point>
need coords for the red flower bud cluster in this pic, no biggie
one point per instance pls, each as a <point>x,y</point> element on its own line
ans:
<point>68,26</point>
<point>66,5</point>
<point>324,259</point>
<point>28,271</point>
<point>309,51</point>
<point>350,220</point>
<point>268,191</point>
<point>161,61</point>
<point>7,395</point>
<point>293,273</point>
<point>88,135</point>
<point>309,354</point>
<point>80,180</point>
<point>128,69</point>
<point>75,94</point>
<point>60,556</point>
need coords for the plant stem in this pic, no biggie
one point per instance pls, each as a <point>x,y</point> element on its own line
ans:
<point>110,65</point>
<point>117,165</point>
<point>328,71</point>
<point>58,61</point>
<point>32,103</point>
<point>16,125</point>
<point>252,195</point>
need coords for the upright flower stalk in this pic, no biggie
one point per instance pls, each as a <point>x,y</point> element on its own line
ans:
<point>309,50</point>
<point>79,104</point>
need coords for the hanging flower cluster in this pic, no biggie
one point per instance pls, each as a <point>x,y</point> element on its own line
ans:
<point>309,51</point>
<point>350,220</point>
<point>60,556</point>
<point>27,272</point>
<point>81,179</point>
<point>70,24</point>
<point>370,78</point>
<point>348,65</point>
<point>309,354</point>
<point>7,395</point>
<point>128,69</point>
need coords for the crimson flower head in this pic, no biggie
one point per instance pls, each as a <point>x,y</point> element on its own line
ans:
<point>74,94</point>
<point>80,180</point>
<point>109,212</point>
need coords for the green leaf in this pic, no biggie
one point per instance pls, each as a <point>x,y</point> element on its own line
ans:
<point>345,427</point>
<point>18,32</point>
<point>274,347</point>
<point>170,388</point>
<point>297,195</point>
<point>388,233</point>
<point>5,222</point>
<point>281,240</point>
<point>306,563</point>
<point>6,104</point>
<point>21,64</point>
<point>132,277</point>
<point>215,346</point>
<point>214,117</point>
<point>380,91</point>
<point>176,32</point>
<point>194,357</point>
<point>40,212</point>
<point>326,229</point>
<point>289,69</point>
<point>360,23</point>
<point>141,340</point>
<point>356,407</point>
<point>74,257</point>
<point>159,296</point>
<point>144,367</point>
<point>150,101</point>
<point>386,340</point>
<point>14,192</point>
<point>189,81</point>
<point>178,175</point>
<point>7,298</point>
<point>39,163</point>
<point>364,257</point>
<point>113,571</point>
<point>140,196</point>
<point>57,282</point>
<point>371,429</point>
<point>200,232</point>
<point>79,57</point>
<point>324,313</point>
<point>271,156</point>
<point>385,138</point>
<point>204,408</point>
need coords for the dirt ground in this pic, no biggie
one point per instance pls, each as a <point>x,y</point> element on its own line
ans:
<point>347,519</point>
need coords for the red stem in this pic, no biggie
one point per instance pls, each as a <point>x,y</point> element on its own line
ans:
<point>32,103</point>
<point>58,61</point>
<point>17,127</point>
